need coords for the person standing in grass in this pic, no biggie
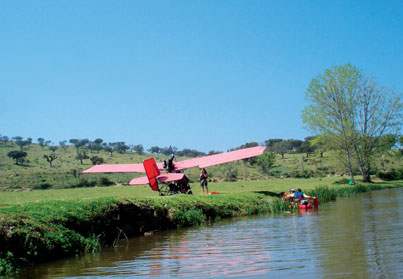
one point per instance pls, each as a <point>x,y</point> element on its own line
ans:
<point>203,180</point>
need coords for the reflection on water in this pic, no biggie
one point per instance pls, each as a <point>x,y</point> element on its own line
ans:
<point>359,237</point>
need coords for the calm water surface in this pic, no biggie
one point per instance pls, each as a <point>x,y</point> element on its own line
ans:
<point>358,237</point>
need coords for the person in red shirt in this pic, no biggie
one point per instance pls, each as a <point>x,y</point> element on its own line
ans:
<point>203,179</point>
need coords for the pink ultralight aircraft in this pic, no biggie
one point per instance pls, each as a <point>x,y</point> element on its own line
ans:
<point>173,179</point>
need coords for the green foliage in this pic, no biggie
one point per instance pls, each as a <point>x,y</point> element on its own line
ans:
<point>7,263</point>
<point>266,161</point>
<point>50,158</point>
<point>43,186</point>
<point>105,181</point>
<point>342,181</point>
<point>230,174</point>
<point>391,175</point>
<point>96,160</point>
<point>354,114</point>
<point>82,156</point>
<point>189,217</point>
<point>18,156</point>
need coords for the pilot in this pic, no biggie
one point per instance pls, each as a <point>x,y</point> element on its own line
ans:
<point>168,164</point>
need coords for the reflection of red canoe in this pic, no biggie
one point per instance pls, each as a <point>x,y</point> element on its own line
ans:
<point>305,206</point>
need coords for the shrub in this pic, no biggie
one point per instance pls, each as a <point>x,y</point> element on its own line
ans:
<point>341,181</point>
<point>85,183</point>
<point>230,174</point>
<point>105,181</point>
<point>190,217</point>
<point>42,186</point>
<point>96,160</point>
<point>391,175</point>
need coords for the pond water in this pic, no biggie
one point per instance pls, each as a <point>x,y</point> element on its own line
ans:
<point>358,237</point>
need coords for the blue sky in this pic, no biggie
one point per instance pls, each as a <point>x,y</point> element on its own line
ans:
<point>192,74</point>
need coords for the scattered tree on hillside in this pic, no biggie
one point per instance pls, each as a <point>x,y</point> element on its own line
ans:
<point>4,139</point>
<point>21,142</point>
<point>139,149</point>
<point>63,144</point>
<point>352,112</point>
<point>82,156</point>
<point>96,160</point>
<point>29,141</point>
<point>167,151</point>
<point>121,147</point>
<point>53,148</point>
<point>41,142</point>
<point>50,158</point>
<point>18,156</point>
<point>79,143</point>
<point>109,149</point>
<point>319,144</point>
<point>307,147</point>
<point>270,142</point>
<point>212,152</point>
<point>154,150</point>
<point>266,161</point>
<point>190,153</point>
<point>281,147</point>
<point>95,145</point>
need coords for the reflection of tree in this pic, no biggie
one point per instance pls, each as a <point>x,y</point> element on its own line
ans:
<point>355,236</point>
<point>378,219</point>
<point>340,232</point>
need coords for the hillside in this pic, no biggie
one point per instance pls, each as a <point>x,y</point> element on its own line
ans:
<point>36,172</point>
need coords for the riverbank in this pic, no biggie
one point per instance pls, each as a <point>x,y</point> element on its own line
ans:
<point>34,232</point>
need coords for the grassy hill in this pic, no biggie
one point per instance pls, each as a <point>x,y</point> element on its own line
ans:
<point>36,172</point>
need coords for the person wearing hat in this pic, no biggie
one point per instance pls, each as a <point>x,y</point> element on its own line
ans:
<point>289,195</point>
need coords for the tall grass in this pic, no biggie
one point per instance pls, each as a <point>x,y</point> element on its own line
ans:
<point>326,194</point>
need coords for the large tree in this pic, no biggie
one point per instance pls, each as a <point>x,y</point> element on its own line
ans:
<point>353,113</point>
<point>18,156</point>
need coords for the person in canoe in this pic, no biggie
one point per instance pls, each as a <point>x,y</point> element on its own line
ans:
<point>300,197</point>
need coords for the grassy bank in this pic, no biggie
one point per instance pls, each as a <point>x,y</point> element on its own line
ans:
<point>58,223</point>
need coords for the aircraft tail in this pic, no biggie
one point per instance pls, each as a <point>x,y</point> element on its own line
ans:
<point>152,172</point>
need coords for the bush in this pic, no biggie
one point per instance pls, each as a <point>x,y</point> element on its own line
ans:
<point>391,175</point>
<point>42,186</point>
<point>341,181</point>
<point>190,217</point>
<point>105,181</point>
<point>96,160</point>
<point>230,174</point>
<point>85,183</point>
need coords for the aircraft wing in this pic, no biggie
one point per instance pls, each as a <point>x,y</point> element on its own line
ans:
<point>119,168</point>
<point>165,177</point>
<point>222,158</point>
<point>202,162</point>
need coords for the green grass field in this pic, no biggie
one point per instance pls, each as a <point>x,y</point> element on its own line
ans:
<point>37,172</point>
<point>129,192</point>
